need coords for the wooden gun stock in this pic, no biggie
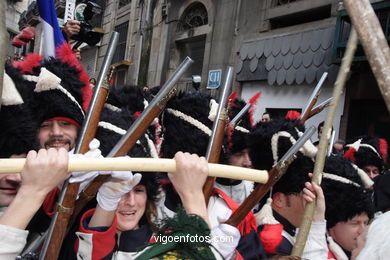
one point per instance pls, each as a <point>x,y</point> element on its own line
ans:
<point>65,205</point>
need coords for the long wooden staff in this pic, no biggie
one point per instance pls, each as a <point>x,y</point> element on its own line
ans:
<point>8,166</point>
<point>3,42</point>
<point>64,209</point>
<point>218,132</point>
<point>136,130</point>
<point>324,141</point>
<point>374,43</point>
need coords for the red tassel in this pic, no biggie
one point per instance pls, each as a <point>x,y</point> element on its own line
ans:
<point>293,115</point>
<point>253,102</point>
<point>29,62</point>
<point>383,149</point>
<point>229,136</point>
<point>66,54</point>
<point>350,154</point>
<point>232,98</point>
<point>271,237</point>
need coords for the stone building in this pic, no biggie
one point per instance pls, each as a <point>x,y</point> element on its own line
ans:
<point>279,47</point>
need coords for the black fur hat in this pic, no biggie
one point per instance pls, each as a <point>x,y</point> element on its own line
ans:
<point>345,196</point>
<point>18,127</point>
<point>129,96</point>
<point>269,141</point>
<point>293,181</point>
<point>59,93</point>
<point>237,138</point>
<point>185,124</point>
<point>382,192</point>
<point>112,126</point>
<point>366,150</point>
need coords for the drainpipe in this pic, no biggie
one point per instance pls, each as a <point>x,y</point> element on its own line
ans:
<point>3,42</point>
<point>238,9</point>
<point>145,29</point>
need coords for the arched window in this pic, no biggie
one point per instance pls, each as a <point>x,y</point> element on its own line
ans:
<point>194,16</point>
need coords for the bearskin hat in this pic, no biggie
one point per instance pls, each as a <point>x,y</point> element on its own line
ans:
<point>59,92</point>
<point>112,126</point>
<point>367,150</point>
<point>293,181</point>
<point>271,140</point>
<point>185,124</point>
<point>382,192</point>
<point>345,196</point>
<point>129,96</point>
<point>18,127</point>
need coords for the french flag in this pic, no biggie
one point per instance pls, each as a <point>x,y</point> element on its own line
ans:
<point>53,37</point>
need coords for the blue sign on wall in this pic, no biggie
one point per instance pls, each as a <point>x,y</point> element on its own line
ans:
<point>214,79</point>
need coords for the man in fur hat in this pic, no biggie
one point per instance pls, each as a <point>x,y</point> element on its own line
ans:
<point>277,229</point>
<point>348,206</point>
<point>368,153</point>
<point>18,130</point>
<point>235,151</point>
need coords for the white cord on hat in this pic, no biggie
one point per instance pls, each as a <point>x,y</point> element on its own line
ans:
<point>338,178</point>
<point>189,119</point>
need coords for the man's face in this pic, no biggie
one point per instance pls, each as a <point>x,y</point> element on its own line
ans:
<point>9,185</point>
<point>265,118</point>
<point>57,134</point>
<point>371,170</point>
<point>346,233</point>
<point>291,207</point>
<point>240,159</point>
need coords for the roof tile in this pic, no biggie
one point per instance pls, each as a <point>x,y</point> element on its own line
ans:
<point>286,42</point>
<point>288,60</point>
<point>269,63</point>
<point>260,48</point>
<point>277,44</point>
<point>253,64</point>
<point>295,42</point>
<point>297,61</point>
<point>281,77</point>
<point>272,77</point>
<point>305,41</point>
<point>268,47</point>
<point>290,76</point>
<point>279,61</point>
<point>307,58</point>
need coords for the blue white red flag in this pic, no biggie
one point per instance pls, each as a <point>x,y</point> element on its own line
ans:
<point>53,37</point>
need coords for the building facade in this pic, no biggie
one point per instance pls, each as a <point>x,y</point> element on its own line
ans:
<point>279,47</point>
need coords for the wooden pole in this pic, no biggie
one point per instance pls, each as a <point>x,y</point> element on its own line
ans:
<point>324,141</point>
<point>374,42</point>
<point>10,166</point>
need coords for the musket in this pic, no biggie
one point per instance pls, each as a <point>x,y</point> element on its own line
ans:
<point>324,141</point>
<point>313,98</point>
<point>136,130</point>
<point>215,143</point>
<point>3,42</point>
<point>240,114</point>
<point>150,165</point>
<point>273,177</point>
<point>65,203</point>
<point>331,143</point>
<point>318,109</point>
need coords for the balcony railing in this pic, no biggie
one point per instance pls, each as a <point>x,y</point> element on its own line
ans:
<point>343,28</point>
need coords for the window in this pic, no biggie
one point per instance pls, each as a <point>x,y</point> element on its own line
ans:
<point>121,47</point>
<point>122,3</point>
<point>194,16</point>
<point>343,28</point>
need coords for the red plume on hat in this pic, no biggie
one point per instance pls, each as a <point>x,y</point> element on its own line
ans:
<point>27,65</point>
<point>293,115</point>
<point>66,54</point>
<point>383,148</point>
<point>253,102</point>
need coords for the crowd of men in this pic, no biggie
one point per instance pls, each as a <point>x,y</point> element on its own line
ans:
<point>43,106</point>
